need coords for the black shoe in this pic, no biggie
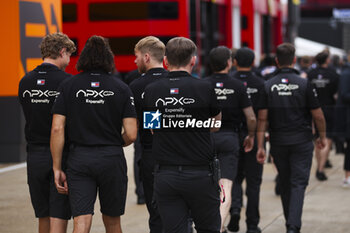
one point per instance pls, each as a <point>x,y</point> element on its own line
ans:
<point>253,229</point>
<point>328,164</point>
<point>234,222</point>
<point>141,200</point>
<point>293,229</point>
<point>321,176</point>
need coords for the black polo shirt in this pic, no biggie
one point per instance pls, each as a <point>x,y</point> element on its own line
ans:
<point>232,97</point>
<point>289,101</point>
<point>326,82</point>
<point>95,104</point>
<point>255,88</point>
<point>138,88</point>
<point>182,98</point>
<point>36,93</point>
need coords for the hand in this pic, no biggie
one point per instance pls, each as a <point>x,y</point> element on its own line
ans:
<point>261,155</point>
<point>248,143</point>
<point>321,143</point>
<point>61,182</point>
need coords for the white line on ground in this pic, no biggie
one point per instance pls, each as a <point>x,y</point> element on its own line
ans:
<point>14,167</point>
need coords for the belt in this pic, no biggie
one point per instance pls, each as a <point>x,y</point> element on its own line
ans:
<point>184,167</point>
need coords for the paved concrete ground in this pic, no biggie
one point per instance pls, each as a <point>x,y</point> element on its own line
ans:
<point>326,210</point>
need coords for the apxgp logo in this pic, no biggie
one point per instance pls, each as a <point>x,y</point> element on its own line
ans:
<point>94,94</point>
<point>40,93</point>
<point>174,101</point>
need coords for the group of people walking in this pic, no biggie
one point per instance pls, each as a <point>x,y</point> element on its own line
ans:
<point>200,138</point>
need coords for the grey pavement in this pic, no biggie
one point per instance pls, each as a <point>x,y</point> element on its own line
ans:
<point>326,208</point>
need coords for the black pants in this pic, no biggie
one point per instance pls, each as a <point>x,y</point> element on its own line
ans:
<point>180,192</point>
<point>293,163</point>
<point>137,160</point>
<point>147,169</point>
<point>251,170</point>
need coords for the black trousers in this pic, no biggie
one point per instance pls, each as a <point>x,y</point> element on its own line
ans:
<point>147,168</point>
<point>180,192</point>
<point>137,160</point>
<point>250,170</point>
<point>347,156</point>
<point>293,163</point>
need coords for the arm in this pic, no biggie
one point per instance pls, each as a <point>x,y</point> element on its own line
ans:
<point>318,117</point>
<point>56,145</point>
<point>262,125</point>
<point>251,124</point>
<point>216,118</point>
<point>130,130</point>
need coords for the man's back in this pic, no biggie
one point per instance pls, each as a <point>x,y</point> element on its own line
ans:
<point>326,82</point>
<point>95,104</point>
<point>289,100</point>
<point>182,98</point>
<point>37,93</point>
<point>138,88</point>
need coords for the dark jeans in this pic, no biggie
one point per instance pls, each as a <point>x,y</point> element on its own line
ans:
<point>293,163</point>
<point>178,192</point>
<point>251,170</point>
<point>347,156</point>
<point>147,169</point>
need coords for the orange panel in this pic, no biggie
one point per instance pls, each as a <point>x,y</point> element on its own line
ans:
<point>35,30</point>
<point>10,54</point>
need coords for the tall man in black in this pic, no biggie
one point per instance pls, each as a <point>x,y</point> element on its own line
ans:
<point>325,81</point>
<point>94,106</point>
<point>248,168</point>
<point>184,110</point>
<point>291,105</point>
<point>37,92</point>
<point>233,99</point>
<point>149,53</point>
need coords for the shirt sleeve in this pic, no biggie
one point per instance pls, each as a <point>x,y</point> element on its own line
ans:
<point>129,105</point>
<point>59,106</point>
<point>244,100</point>
<point>311,97</point>
<point>262,98</point>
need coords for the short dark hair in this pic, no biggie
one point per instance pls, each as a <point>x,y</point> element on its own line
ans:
<point>285,54</point>
<point>96,55</point>
<point>245,57</point>
<point>179,51</point>
<point>52,44</point>
<point>218,58</point>
<point>322,57</point>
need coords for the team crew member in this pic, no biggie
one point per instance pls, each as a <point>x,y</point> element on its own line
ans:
<point>232,97</point>
<point>149,53</point>
<point>183,180</point>
<point>94,106</point>
<point>37,92</point>
<point>291,105</point>
<point>325,81</point>
<point>248,167</point>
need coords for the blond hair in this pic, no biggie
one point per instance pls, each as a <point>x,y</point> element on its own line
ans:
<point>153,46</point>
<point>52,44</point>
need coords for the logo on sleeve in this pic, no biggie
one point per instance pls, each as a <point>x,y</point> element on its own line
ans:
<point>151,120</point>
<point>95,84</point>
<point>40,82</point>
<point>174,91</point>
<point>219,84</point>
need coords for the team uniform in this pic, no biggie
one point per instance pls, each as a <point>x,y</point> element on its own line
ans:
<point>147,159</point>
<point>289,101</point>
<point>232,97</point>
<point>95,104</point>
<point>37,93</point>
<point>248,167</point>
<point>183,152</point>
<point>325,81</point>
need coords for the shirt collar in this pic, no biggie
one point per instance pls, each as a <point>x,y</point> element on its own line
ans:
<point>287,70</point>
<point>179,74</point>
<point>155,70</point>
